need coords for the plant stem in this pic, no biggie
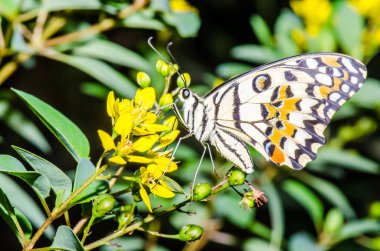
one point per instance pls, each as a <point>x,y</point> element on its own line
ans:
<point>9,68</point>
<point>57,212</point>
<point>87,229</point>
<point>169,236</point>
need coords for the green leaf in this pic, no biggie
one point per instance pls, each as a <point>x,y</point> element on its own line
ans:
<point>255,244</point>
<point>175,187</point>
<point>369,95</point>
<point>261,30</point>
<point>22,201</point>
<point>39,183</point>
<point>303,241</point>
<point>307,199</point>
<point>359,227</point>
<point>66,131</point>
<point>228,70</point>
<point>94,89</point>
<point>56,5</point>
<point>285,24</point>
<point>101,72</point>
<point>143,20</point>
<point>113,53</point>
<point>9,8</point>
<point>65,239</point>
<point>333,222</point>
<point>330,192</point>
<point>348,26</point>
<point>14,218</point>
<point>254,53</point>
<point>276,212</point>
<point>15,120</point>
<point>346,159</point>
<point>160,5</point>
<point>59,181</point>
<point>235,214</point>
<point>85,170</point>
<point>187,23</point>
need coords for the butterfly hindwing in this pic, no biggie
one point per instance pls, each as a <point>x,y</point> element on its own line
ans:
<point>282,108</point>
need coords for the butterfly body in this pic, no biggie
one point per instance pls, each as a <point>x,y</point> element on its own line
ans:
<point>281,109</point>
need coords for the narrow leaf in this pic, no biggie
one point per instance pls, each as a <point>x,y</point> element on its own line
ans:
<point>113,53</point>
<point>59,181</point>
<point>22,201</point>
<point>101,72</point>
<point>254,53</point>
<point>10,216</point>
<point>307,199</point>
<point>228,70</point>
<point>66,131</point>
<point>56,5</point>
<point>303,241</point>
<point>359,227</point>
<point>330,192</point>
<point>85,170</point>
<point>65,239</point>
<point>256,244</point>
<point>261,30</point>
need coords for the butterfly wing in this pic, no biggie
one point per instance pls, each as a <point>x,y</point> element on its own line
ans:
<point>282,108</point>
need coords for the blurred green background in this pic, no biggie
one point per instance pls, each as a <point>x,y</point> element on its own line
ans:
<point>333,204</point>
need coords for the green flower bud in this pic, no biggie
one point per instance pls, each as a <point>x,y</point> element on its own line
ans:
<point>174,69</point>
<point>183,80</point>
<point>236,177</point>
<point>165,100</point>
<point>201,191</point>
<point>248,201</point>
<point>165,70</point>
<point>103,204</point>
<point>143,79</point>
<point>376,243</point>
<point>159,65</point>
<point>190,232</point>
<point>334,221</point>
<point>374,210</point>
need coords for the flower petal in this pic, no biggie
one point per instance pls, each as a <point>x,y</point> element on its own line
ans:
<point>163,164</point>
<point>125,106</point>
<point>118,160</point>
<point>107,141</point>
<point>150,118</point>
<point>144,196</point>
<point>111,104</point>
<point>167,139</point>
<point>124,124</point>
<point>155,127</point>
<point>145,143</point>
<point>155,171</point>
<point>162,191</point>
<point>145,98</point>
<point>172,121</point>
<point>139,159</point>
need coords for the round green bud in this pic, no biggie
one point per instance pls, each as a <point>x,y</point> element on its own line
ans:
<point>165,70</point>
<point>165,100</point>
<point>374,210</point>
<point>103,204</point>
<point>173,69</point>
<point>236,177</point>
<point>143,79</point>
<point>201,191</point>
<point>376,243</point>
<point>183,80</point>
<point>159,65</point>
<point>334,221</point>
<point>190,232</point>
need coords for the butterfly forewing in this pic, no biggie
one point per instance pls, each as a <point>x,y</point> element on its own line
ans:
<point>282,108</point>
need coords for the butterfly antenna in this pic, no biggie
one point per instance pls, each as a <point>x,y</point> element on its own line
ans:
<point>155,50</point>
<point>175,61</point>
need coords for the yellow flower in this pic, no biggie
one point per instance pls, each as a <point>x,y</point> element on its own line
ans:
<point>315,13</point>
<point>182,6</point>
<point>152,177</point>
<point>368,8</point>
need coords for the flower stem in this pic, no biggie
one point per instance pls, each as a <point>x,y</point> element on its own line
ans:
<point>169,236</point>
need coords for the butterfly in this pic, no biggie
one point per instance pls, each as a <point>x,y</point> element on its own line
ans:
<point>281,109</point>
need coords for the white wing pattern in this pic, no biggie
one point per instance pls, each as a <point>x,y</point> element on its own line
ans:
<point>282,108</point>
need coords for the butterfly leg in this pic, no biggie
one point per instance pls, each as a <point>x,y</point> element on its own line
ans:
<point>211,159</point>
<point>174,108</point>
<point>199,165</point>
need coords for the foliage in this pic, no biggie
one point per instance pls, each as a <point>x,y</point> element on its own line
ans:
<point>136,186</point>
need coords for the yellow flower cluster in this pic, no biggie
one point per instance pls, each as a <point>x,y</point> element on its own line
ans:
<point>141,138</point>
<point>315,13</point>
<point>182,6</point>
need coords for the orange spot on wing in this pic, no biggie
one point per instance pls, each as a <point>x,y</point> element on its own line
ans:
<point>290,104</point>
<point>282,92</point>
<point>278,156</point>
<point>276,136</point>
<point>337,83</point>
<point>345,75</point>
<point>271,111</point>
<point>331,61</point>
<point>288,129</point>
<point>325,91</point>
